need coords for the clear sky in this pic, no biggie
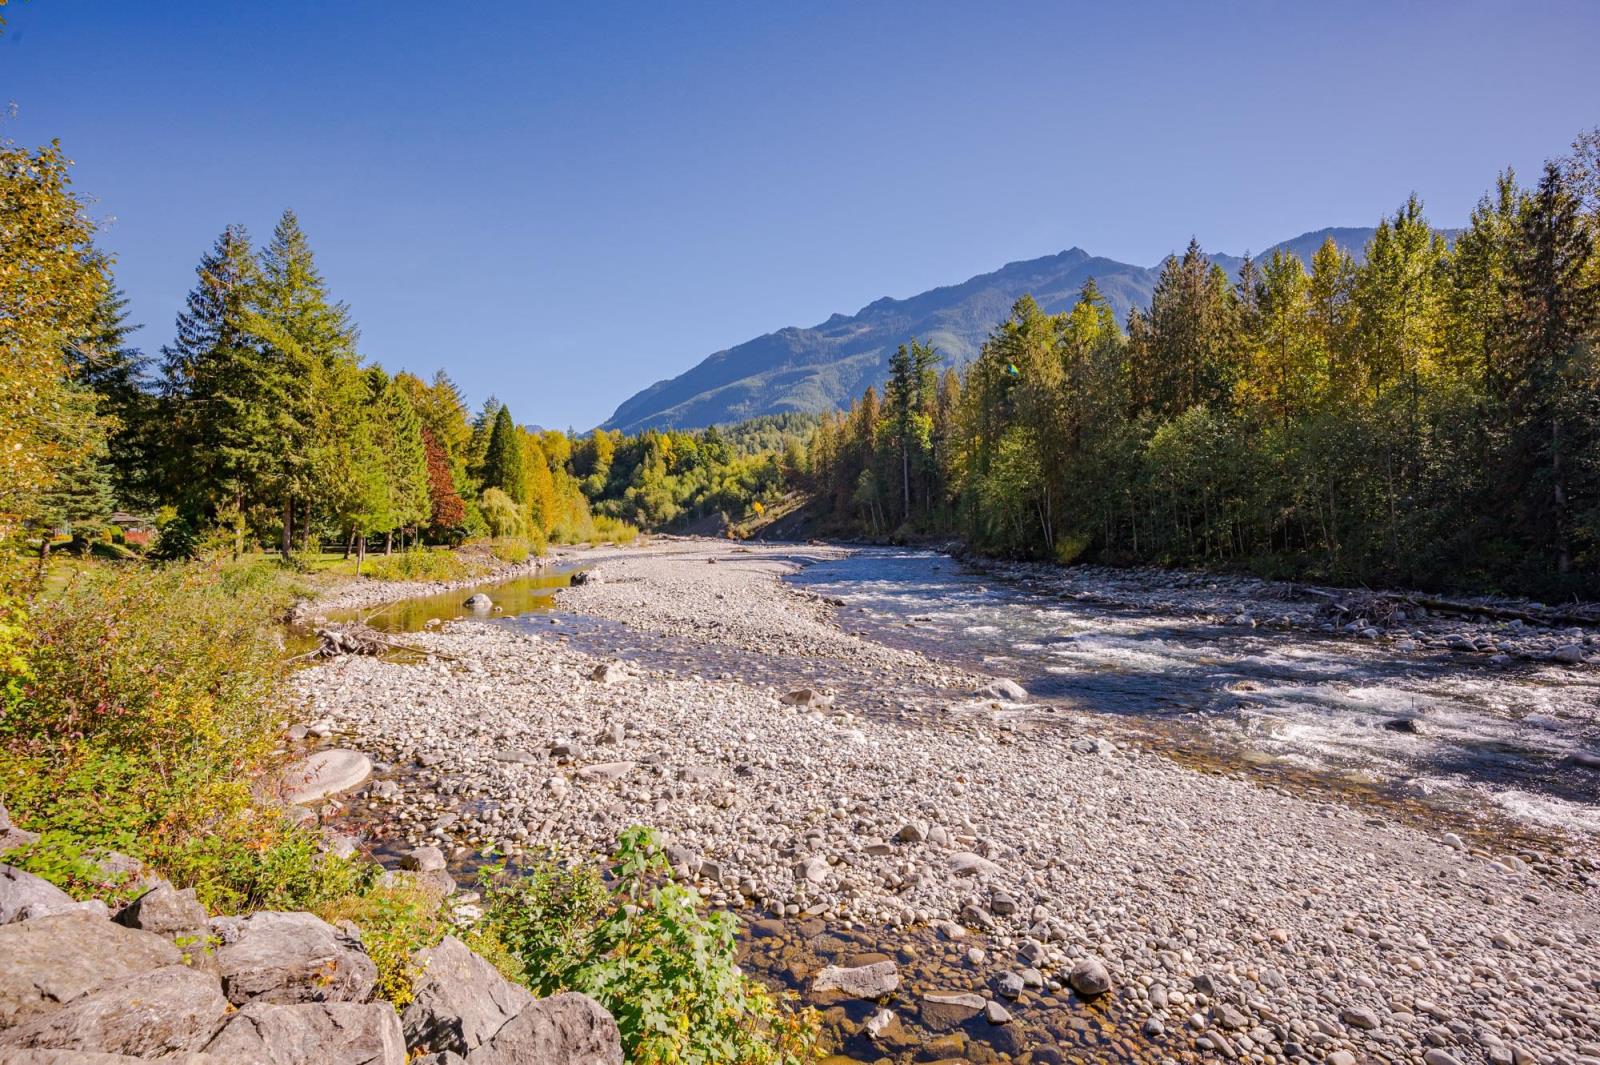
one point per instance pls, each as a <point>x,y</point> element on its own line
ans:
<point>563,203</point>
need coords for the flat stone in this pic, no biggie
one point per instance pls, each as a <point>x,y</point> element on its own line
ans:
<point>860,981</point>
<point>805,697</point>
<point>323,774</point>
<point>286,958</point>
<point>313,1033</point>
<point>164,1011</point>
<point>942,1010</point>
<point>52,960</point>
<point>459,1000</point>
<point>605,771</point>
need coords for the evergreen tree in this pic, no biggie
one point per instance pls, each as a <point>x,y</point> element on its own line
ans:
<point>502,461</point>
<point>446,512</point>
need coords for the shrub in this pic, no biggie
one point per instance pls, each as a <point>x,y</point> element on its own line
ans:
<point>148,696</point>
<point>396,920</point>
<point>644,947</point>
<point>419,564</point>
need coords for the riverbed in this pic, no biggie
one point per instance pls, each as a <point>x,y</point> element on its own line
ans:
<point>986,843</point>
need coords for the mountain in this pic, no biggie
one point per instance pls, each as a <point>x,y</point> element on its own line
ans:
<point>827,365</point>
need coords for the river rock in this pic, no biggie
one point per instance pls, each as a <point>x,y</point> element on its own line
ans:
<point>285,958</point>
<point>424,860</point>
<point>1360,1017</point>
<point>965,863</point>
<point>806,697</point>
<point>605,771</point>
<point>164,1011</point>
<point>1007,691</point>
<point>567,1028</point>
<point>164,910</point>
<point>312,1033</point>
<point>459,1000</point>
<point>325,773</point>
<point>609,673</point>
<point>478,603</point>
<point>860,981</point>
<point>23,895</point>
<point>48,961</point>
<point>1089,977</point>
<point>942,1010</point>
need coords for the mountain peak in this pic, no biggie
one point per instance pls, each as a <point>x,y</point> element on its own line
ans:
<point>824,367</point>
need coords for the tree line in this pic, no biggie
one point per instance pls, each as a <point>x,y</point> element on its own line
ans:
<point>1427,415</point>
<point>260,422</point>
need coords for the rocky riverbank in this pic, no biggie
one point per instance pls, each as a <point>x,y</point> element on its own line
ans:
<point>1228,919</point>
<point>158,979</point>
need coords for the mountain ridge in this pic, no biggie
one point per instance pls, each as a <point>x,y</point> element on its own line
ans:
<point>822,367</point>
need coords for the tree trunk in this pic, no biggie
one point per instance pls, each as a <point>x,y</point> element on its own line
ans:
<point>349,544</point>
<point>288,525</point>
<point>361,550</point>
<point>388,542</point>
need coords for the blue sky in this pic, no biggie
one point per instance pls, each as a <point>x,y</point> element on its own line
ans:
<point>563,203</point>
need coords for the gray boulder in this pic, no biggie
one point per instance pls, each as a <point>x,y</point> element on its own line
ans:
<point>1007,691</point>
<point>164,1011</point>
<point>427,859</point>
<point>570,1029</point>
<point>52,960</point>
<point>317,1033</point>
<point>460,1001</point>
<point>285,958</point>
<point>325,773</point>
<point>859,981</point>
<point>12,837</point>
<point>478,602</point>
<point>23,895</point>
<point>164,910</point>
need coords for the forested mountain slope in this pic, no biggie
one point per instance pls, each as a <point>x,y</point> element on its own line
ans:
<point>825,366</point>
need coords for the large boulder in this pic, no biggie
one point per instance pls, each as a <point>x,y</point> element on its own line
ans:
<point>164,1011</point>
<point>285,958</point>
<point>323,774</point>
<point>23,895</point>
<point>164,910</point>
<point>570,1028</point>
<point>459,1000</point>
<point>49,961</point>
<point>312,1033</point>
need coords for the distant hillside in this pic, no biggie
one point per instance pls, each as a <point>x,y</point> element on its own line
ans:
<point>825,366</point>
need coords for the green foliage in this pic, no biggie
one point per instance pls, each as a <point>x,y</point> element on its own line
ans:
<point>644,947</point>
<point>419,564</point>
<point>502,514</point>
<point>396,921</point>
<point>145,699</point>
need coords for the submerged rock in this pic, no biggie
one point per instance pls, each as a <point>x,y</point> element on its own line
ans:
<point>859,981</point>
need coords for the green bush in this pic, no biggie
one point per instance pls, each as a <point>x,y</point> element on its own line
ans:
<point>419,564</point>
<point>645,948</point>
<point>396,920</point>
<point>146,698</point>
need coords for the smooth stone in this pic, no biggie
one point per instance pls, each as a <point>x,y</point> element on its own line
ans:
<point>323,774</point>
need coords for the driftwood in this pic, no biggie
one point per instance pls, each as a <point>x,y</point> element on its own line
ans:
<point>356,638</point>
<point>1380,607</point>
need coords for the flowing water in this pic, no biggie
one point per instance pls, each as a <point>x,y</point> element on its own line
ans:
<point>1521,741</point>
